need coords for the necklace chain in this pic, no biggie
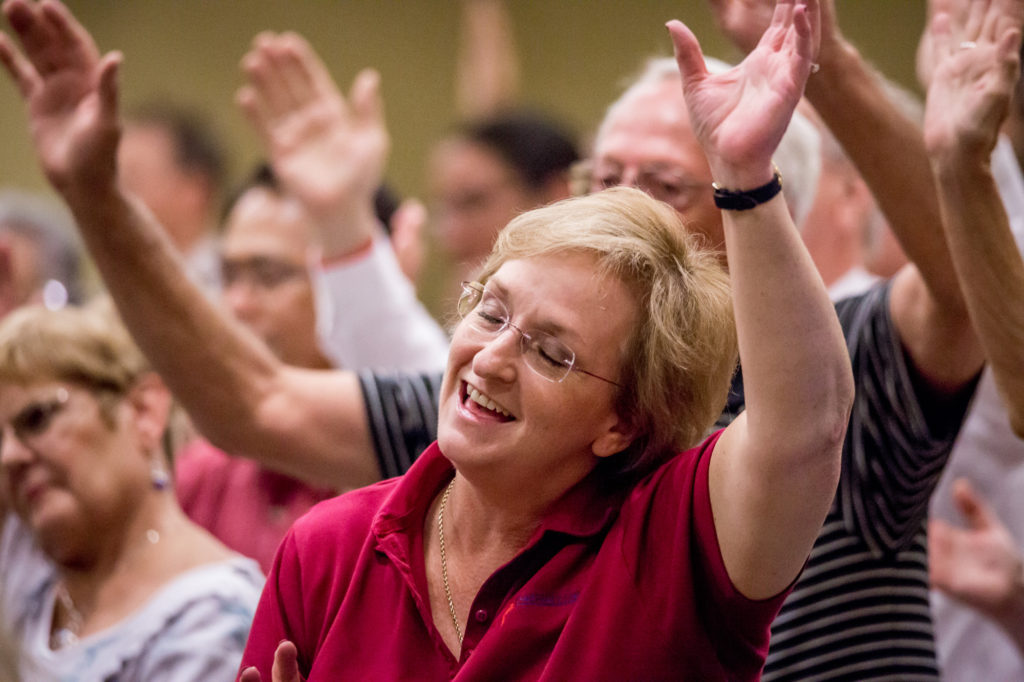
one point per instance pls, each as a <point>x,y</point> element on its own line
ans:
<point>72,628</point>
<point>444,560</point>
<point>68,634</point>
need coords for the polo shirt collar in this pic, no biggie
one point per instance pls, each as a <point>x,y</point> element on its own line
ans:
<point>585,510</point>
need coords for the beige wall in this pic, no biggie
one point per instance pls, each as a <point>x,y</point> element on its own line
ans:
<point>574,54</point>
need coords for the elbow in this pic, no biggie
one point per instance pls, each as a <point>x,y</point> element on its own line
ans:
<point>845,392</point>
<point>831,418</point>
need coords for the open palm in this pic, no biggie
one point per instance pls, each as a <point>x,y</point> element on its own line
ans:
<point>975,69</point>
<point>327,151</point>
<point>70,91</point>
<point>739,116</point>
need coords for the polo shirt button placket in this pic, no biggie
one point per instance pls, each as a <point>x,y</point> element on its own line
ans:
<point>481,615</point>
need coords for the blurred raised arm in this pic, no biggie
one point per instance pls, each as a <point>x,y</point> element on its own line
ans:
<point>487,67</point>
<point>926,304</point>
<point>775,468</point>
<point>975,71</point>
<point>305,423</point>
<point>329,152</point>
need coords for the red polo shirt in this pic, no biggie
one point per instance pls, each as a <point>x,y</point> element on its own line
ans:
<point>611,587</point>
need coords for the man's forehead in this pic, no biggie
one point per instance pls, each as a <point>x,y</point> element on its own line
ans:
<point>262,216</point>
<point>649,124</point>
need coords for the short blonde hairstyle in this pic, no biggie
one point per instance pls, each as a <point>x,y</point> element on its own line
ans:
<point>84,346</point>
<point>679,362</point>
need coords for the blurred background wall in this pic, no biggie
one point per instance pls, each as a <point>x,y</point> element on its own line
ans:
<point>574,55</point>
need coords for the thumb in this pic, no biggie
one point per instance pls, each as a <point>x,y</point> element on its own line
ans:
<point>975,511</point>
<point>109,68</point>
<point>688,53</point>
<point>365,98</point>
<point>250,674</point>
<point>286,665</point>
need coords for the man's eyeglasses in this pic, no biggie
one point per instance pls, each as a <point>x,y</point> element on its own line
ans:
<point>544,353</point>
<point>33,420</point>
<point>661,182</point>
<point>265,273</point>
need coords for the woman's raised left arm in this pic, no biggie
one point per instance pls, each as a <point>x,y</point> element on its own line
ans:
<point>775,469</point>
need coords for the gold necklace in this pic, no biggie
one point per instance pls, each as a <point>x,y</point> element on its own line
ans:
<point>444,562</point>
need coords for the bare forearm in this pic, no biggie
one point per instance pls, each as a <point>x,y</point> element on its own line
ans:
<point>311,425</point>
<point>927,305</point>
<point>345,227</point>
<point>794,359</point>
<point>798,389</point>
<point>213,366</point>
<point>991,271</point>
<point>887,149</point>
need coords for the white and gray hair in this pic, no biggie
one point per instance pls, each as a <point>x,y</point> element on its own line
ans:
<point>798,156</point>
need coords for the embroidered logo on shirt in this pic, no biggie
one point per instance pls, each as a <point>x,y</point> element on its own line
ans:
<point>537,599</point>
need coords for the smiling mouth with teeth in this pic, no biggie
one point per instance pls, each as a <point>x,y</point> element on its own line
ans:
<point>483,401</point>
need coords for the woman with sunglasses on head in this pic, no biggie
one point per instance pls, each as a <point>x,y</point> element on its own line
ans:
<point>102,575</point>
<point>573,519</point>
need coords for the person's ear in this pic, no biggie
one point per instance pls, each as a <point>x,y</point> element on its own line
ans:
<point>619,435</point>
<point>151,402</point>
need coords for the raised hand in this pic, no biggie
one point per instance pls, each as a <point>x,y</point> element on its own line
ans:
<point>329,152</point>
<point>70,92</point>
<point>742,21</point>
<point>979,565</point>
<point>739,116</point>
<point>975,48</point>
<point>286,666</point>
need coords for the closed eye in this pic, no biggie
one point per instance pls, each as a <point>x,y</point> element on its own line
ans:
<point>489,319</point>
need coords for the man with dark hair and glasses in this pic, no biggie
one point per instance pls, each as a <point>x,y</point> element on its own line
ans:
<point>264,255</point>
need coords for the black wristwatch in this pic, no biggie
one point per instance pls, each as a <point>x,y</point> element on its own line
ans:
<point>730,200</point>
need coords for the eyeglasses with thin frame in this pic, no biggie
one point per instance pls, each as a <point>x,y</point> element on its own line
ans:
<point>262,272</point>
<point>664,183</point>
<point>545,354</point>
<point>35,419</point>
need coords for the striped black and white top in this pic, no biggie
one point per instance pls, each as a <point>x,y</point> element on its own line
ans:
<point>860,609</point>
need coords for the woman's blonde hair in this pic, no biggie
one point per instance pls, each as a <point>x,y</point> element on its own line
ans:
<point>86,346</point>
<point>679,361</point>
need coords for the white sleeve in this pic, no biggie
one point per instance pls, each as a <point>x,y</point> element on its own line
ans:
<point>368,316</point>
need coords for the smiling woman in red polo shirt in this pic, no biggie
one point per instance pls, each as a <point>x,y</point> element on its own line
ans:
<point>553,532</point>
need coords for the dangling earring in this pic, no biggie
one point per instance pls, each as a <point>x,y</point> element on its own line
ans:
<point>158,475</point>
